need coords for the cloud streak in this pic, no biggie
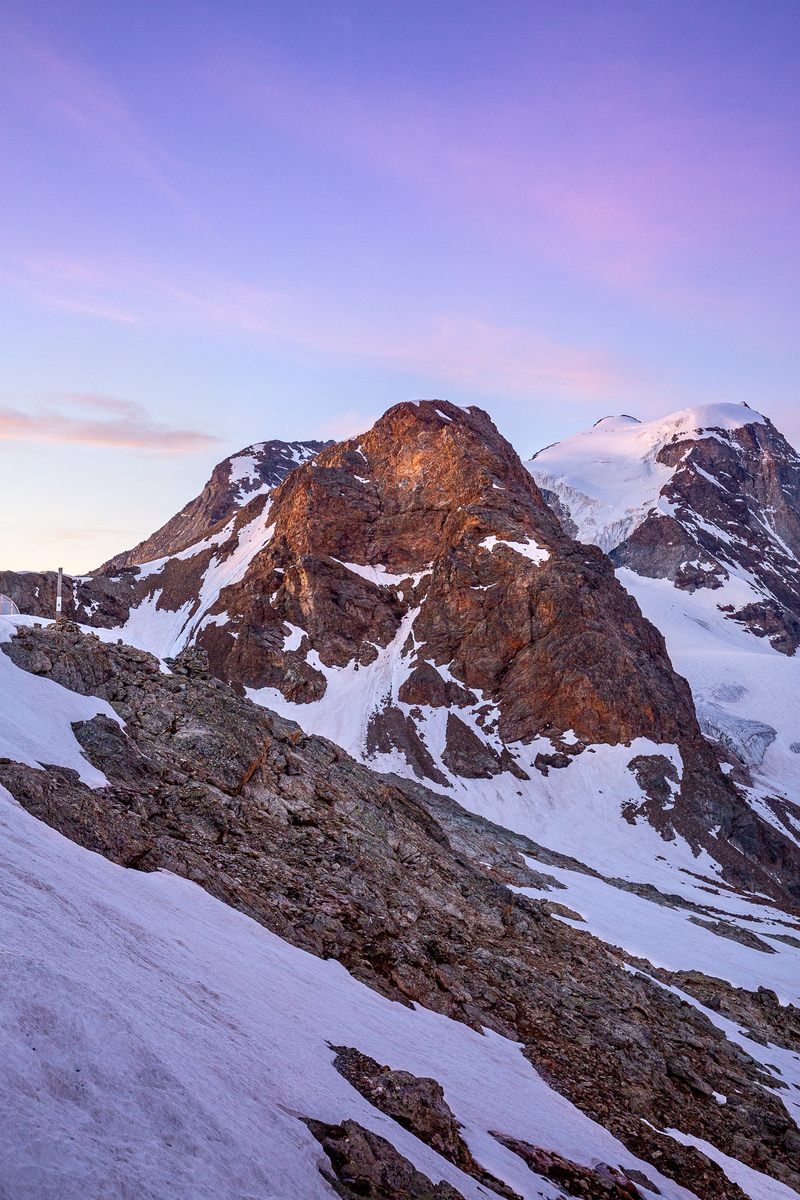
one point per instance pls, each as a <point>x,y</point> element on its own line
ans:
<point>451,348</point>
<point>76,100</point>
<point>100,421</point>
<point>620,179</point>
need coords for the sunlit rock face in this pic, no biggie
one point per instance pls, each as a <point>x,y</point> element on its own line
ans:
<point>427,535</point>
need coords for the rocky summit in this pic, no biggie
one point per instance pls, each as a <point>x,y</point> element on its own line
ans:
<point>412,821</point>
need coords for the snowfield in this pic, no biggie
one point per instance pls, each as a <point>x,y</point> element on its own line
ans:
<point>738,676</point>
<point>157,1043</point>
<point>746,693</point>
<point>607,475</point>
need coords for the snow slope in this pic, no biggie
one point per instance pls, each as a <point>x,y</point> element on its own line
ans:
<point>164,631</point>
<point>737,679</point>
<point>607,475</point>
<point>747,694</point>
<point>156,1043</point>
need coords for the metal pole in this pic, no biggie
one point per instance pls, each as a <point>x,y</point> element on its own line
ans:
<point>58,593</point>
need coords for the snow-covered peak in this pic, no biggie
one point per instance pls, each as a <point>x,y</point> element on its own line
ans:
<point>261,467</point>
<point>243,466</point>
<point>608,475</point>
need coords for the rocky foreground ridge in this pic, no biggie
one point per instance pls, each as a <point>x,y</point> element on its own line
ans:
<point>376,696</point>
<point>409,892</point>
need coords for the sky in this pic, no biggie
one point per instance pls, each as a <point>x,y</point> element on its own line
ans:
<point>223,222</point>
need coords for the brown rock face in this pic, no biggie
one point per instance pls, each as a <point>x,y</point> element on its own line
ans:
<point>418,1104</point>
<point>602,1182</point>
<point>427,540</point>
<point>364,1166</point>
<point>736,498</point>
<point>436,498</point>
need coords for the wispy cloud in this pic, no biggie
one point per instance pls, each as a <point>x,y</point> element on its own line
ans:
<point>99,421</point>
<point>79,102</point>
<point>617,179</point>
<point>456,348</point>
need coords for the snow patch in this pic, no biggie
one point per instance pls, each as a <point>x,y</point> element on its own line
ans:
<point>529,549</point>
<point>37,715</point>
<point>167,1044</point>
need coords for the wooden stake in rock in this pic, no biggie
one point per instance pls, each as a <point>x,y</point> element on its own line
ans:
<point>58,593</point>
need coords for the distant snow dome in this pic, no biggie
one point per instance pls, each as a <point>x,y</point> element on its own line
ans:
<point>7,607</point>
<point>608,477</point>
<point>613,423</point>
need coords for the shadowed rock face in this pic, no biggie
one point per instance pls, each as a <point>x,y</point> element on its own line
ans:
<point>419,1105</point>
<point>99,600</point>
<point>365,1166</point>
<point>234,481</point>
<point>736,503</point>
<point>602,1182</point>
<point>401,886</point>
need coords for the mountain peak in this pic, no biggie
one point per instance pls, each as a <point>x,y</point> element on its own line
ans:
<point>610,476</point>
<point>234,482</point>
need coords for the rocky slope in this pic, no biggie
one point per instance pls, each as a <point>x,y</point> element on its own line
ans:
<point>354,866</point>
<point>700,513</point>
<point>104,598</point>
<point>410,595</point>
<point>236,480</point>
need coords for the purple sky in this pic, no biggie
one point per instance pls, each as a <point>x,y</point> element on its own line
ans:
<point>224,222</point>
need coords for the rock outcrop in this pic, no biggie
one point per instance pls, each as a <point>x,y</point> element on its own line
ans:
<point>355,866</point>
<point>103,601</point>
<point>418,1105</point>
<point>735,503</point>
<point>365,1166</point>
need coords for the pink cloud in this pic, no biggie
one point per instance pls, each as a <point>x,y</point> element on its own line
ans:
<point>99,421</point>
<point>615,182</point>
<point>453,347</point>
